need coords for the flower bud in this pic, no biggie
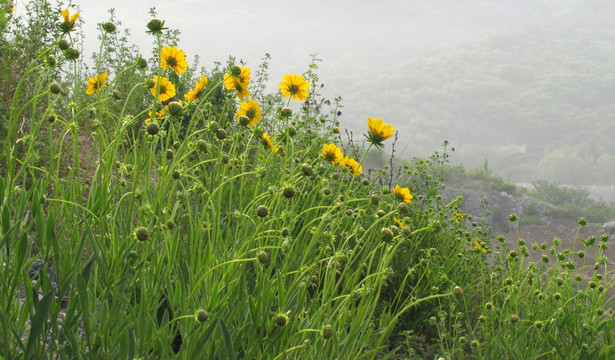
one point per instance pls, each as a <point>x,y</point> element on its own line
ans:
<point>307,169</point>
<point>288,192</point>
<point>71,54</point>
<point>262,211</point>
<point>55,88</point>
<point>155,26</point>
<point>221,134</point>
<point>142,234</point>
<point>63,44</point>
<point>175,108</point>
<point>51,60</point>
<point>263,257</point>
<point>202,144</point>
<point>141,63</point>
<point>281,320</point>
<point>152,128</point>
<point>201,316</point>
<point>327,331</point>
<point>117,95</point>
<point>51,118</point>
<point>244,120</point>
<point>109,27</point>
<point>235,70</point>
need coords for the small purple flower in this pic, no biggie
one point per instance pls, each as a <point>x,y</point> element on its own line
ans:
<point>303,117</point>
<point>339,113</point>
<point>306,103</point>
<point>327,102</point>
<point>317,108</point>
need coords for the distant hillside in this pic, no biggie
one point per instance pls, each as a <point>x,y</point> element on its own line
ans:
<point>536,103</point>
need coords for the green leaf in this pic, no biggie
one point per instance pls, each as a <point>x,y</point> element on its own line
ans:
<point>38,322</point>
<point>197,350</point>
<point>227,340</point>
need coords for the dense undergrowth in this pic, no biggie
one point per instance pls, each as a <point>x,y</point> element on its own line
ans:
<point>212,221</point>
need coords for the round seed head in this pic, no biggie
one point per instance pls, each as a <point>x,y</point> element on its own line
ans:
<point>63,44</point>
<point>55,88</point>
<point>288,192</point>
<point>262,211</point>
<point>263,257</point>
<point>142,234</point>
<point>327,331</point>
<point>201,316</point>
<point>221,134</point>
<point>152,128</point>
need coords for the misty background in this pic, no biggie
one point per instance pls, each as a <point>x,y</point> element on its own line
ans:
<point>525,88</point>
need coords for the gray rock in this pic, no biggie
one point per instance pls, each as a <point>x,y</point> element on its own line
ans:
<point>609,228</point>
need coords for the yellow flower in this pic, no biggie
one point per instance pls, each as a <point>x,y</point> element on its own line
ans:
<point>478,246</point>
<point>268,142</point>
<point>239,82</point>
<point>378,131</point>
<point>198,89</point>
<point>398,222</point>
<point>68,24</point>
<point>172,57</point>
<point>159,115</point>
<point>459,216</point>
<point>294,85</point>
<point>353,164</point>
<point>96,83</point>
<point>167,89</point>
<point>403,194</point>
<point>69,19</point>
<point>250,109</point>
<point>332,153</point>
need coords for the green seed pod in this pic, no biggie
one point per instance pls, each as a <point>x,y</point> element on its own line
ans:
<point>51,60</point>
<point>51,118</point>
<point>201,316</point>
<point>286,112</point>
<point>307,169</point>
<point>55,88</point>
<point>221,134</point>
<point>326,191</point>
<point>142,234</point>
<point>380,213</point>
<point>176,174</point>
<point>387,234</point>
<point>292,131</point>
<point>109,27</point>
<point>171,224</point>
<point>175,108</point>
<point>281,320</point>
<point>458,291</point>
<point>327,331</point>
<point>152,128</point>
<point>263,257</point>
<point>63,44</point>
<point>514,319</point>
<point>170,154</point>
<point>262,211</point>
<point>117,95</point>
<point>288,192</point>
<point>71,54</point>
<point>314,279</point>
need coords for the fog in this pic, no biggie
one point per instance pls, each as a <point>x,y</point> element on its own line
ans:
<point>524,87</point>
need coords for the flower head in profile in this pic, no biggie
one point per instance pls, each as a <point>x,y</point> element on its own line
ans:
<point>332,153</point>
<point>238,78</point>
<point>68,24</point>
<point>172,57</point>
<point>378,131</point>
<point>160,115</point>
<point>269,143</point>
<point>96,83</point>
<point>163,87</point>
<point>352,164</point>
<point>294,85</point>
<point>403,194</point>
<point>195,93</point>
<point>251,110</point>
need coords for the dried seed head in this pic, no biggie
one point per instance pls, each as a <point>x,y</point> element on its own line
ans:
<point>55,88</point>
<point>288,192</point>
<point>221,134</point>
<point>281,320</point>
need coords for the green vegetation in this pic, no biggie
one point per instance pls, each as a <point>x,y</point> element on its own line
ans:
<point>164,225</point>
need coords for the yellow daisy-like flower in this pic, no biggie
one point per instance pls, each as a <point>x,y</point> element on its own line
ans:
<point>269,143</point>
<point>68,24</point>
<point>332,153</point>
<point>69,19</point>
<point>403,194</point>
<point>459,216</point>
<point>96,83</point>
<point>198,89</point>
<point>478,246</point>
<point>159,115</point>
<point>172,57</point>
<point>398,222</point>
<point>167,89</point>
<point>251,110</point>
<point>353,164</point>
<point>239,81</point>
<point>378,131</point>
<point>294,85</point>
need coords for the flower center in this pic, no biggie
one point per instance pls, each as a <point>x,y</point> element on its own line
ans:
<point>251,113</point>
<point>293,89</point>
<point>171,61</point>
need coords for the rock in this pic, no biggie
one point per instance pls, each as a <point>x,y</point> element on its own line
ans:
<point>609,228</point>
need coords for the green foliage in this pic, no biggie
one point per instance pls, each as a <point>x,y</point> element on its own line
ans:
<point>573,202</point>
